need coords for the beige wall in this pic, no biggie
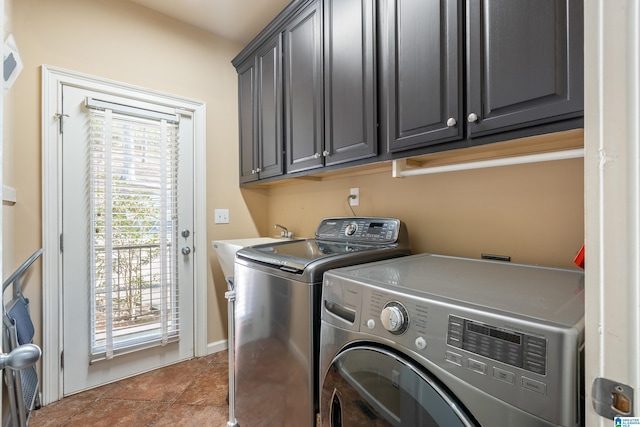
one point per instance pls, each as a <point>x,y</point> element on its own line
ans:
<point>121,41</point>
<point>533,213</point>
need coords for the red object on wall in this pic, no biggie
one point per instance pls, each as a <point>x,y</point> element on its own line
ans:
<point>579,259</point>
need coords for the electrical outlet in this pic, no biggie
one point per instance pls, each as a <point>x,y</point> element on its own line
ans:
<point>354,201</point>
<point>222,216</point>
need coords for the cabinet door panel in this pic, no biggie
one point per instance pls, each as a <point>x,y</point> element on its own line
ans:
<point>525,62</point>
<point>420,72</point>
<point>349,80</point>
<point>247,109</point>
<point>303,91</point>
<point>270,110</point>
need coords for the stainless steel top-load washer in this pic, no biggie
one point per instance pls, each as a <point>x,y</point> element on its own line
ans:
<point>277,314</point>
<point>429,340</point>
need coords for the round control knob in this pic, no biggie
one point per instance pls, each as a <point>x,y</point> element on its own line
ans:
<point>371,324</point>
<point>421,343</point>
<point>393,318</point>
<point>351,229</point>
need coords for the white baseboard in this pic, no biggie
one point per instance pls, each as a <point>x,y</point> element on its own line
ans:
<point>215,347</point>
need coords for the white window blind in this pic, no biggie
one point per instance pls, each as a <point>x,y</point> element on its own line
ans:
<point>133,209</point>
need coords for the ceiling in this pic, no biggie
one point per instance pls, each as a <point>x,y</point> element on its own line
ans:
<point>236,20</point>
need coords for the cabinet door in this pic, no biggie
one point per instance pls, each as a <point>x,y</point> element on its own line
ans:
<point>525,62</point>
<point>269,87</point>
<point>350,121</point>
<point>247,112</point>
<point>421,75</point>
<point>303,90</point>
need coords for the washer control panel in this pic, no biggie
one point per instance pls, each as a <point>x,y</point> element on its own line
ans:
<point>359,230</point>
<point>510,347</point>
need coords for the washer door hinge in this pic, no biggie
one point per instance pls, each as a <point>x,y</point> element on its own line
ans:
<point>611,399</point>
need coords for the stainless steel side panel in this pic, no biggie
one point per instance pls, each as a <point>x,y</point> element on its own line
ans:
<point>276,339</point>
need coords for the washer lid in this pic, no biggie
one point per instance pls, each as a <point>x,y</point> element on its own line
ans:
<point>296,255</point>
<point>337,239</point>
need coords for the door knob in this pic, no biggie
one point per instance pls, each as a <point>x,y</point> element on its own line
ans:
<point>185,233</point>
<point>451,122</point>
<point>186,250</point>
<point>473,117</point>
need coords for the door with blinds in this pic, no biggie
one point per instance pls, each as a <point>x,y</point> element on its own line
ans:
<point>127,219</point>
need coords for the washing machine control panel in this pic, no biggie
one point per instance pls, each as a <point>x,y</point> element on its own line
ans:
<point>360,230</point>
<point>510,347</point>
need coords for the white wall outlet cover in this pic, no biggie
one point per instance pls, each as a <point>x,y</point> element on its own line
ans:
<point>354,201</point>
<point>221,216</point>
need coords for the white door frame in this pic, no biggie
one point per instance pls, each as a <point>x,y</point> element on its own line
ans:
<point>52,80</point>
<point>612,197</point>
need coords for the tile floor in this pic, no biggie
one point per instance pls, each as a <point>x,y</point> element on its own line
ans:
<point>191,393</point>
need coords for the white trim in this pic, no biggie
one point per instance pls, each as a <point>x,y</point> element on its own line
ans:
<point>218,346</point>
<point>400,169</point>
<point>612,198</point>
<point>52,80</point>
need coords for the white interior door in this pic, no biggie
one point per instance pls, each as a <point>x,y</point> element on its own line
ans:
<point>97,289</point>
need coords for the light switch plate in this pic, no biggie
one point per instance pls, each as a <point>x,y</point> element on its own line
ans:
<point>222,216</point>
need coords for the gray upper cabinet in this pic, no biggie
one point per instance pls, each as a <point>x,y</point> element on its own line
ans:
<point>523,67</point>
<point>260,106</point>
<point>524,63</point>
<point>303,90</point>
<point>336,82</point>
<point>330,102</point>
<point>247,107</point>
<point>350,118</point>
<point>420,72</point>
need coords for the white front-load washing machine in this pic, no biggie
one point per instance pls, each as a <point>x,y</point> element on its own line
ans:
<point>431,340</point>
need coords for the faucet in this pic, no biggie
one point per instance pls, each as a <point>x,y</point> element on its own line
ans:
<point>285,231</point>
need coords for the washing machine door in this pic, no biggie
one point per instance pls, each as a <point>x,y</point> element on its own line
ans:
<point>370,386</point>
